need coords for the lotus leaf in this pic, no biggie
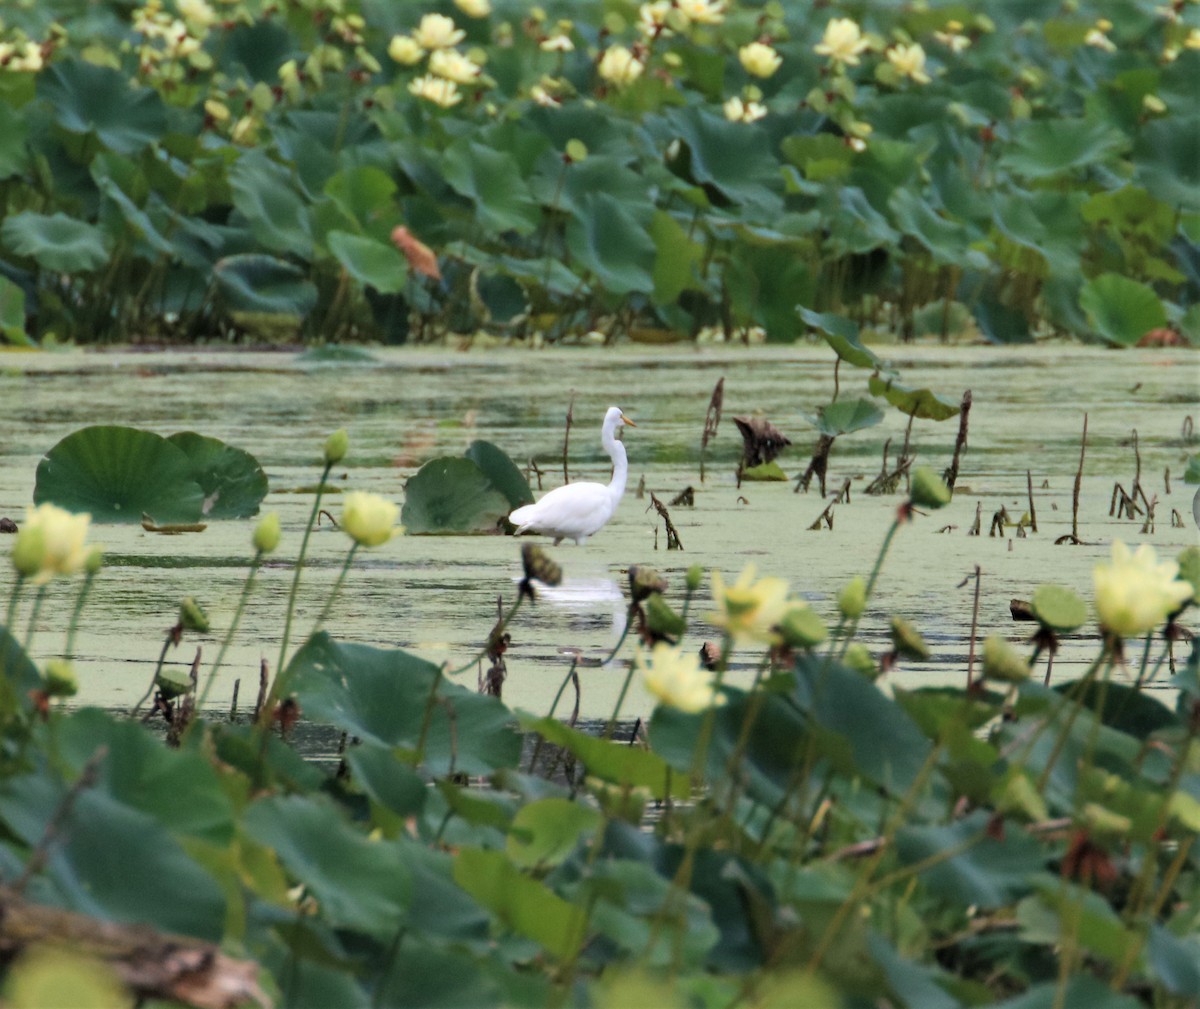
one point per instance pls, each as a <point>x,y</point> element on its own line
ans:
<point>492,181</point>
<point>545,832</point>
<point>846,416</point>
<point>14,135</point>
<point>265,196</point>
<point>233,482</point>
<point>119,474</point>
<point>450,495</point>
<point>55,241</point>
<point>502,472</point>
<point>12,314</point>
<point>920,403</point>
<point>608,241</point>
<point>1046,147</point>
<point>370,262</point>
<point>1121,310</point>
<point>842,335</point>
<point>88,98</point>
<point>264,284</point>
<point>1058,608</point>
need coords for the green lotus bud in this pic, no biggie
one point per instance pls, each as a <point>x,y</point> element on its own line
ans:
<point>801,627</point>
<point>663,621</point>
<point>539,565</point>
<point>29,551</point>
<point>695,575</point>
<point>336,446</point>
<point>852,600</point>
<point>267,533</point>
<point>1189,568</point>
<point>192,616</point>
<point>859,659</point>
<point>928,490</point>
<point>644,582</point>
<point>907,640</point>
<point>60,678</point>
<point>1001,661</point>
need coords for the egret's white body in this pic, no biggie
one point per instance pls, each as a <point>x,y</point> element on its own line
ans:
<point>579,510</point>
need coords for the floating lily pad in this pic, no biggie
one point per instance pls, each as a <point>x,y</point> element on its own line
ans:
<point>233,482</point>
<point>764,471</point>
<point>118,474</point>
<point>921,403</point>
<point>1058,608</point>
<point>450,495</point>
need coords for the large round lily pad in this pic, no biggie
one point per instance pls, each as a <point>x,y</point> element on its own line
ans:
<point>450,495</point>
<point>502,472</point>
<point>233,482</point>
<point>119,473</point>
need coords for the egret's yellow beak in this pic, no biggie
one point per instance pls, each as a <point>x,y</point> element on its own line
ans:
<point>626,420</point>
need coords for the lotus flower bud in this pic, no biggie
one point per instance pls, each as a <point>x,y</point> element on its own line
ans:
<point>1001,661</point>
<point>60,677</point>
<point>95,559</point>
<point>859,659</point>
<point>852,600</point>
<point>928,489</point>
<point>336,446</point>
<point>695,575</point>
<point>29,551</point>
<point>644,582</point>
<point>192,616</point>
<point>267,533</point>
<point>662,621</point>
<point>907,640</point>
<point>801,627</point>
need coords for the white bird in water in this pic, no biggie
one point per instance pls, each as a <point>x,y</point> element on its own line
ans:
<point>580,510</point>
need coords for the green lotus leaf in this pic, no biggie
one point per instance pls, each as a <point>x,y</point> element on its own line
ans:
<point>609,242</point>
<point>449,495</point>
<point>920,403</point>
<point>12,314</point>
<point>948,240</point>
<point>766,471</point>
<point>1167,161</point>
<point>118,474</point>
<point>846,416</point>
<point>492,181</point>
<point>264,284</point>
<point>842,335</point>
<point>14,135</point>
<point>233,482</point>
<point>1046,147</point>
<point>677,260</point>
<point>265,195</point>
<point>502,472</point>
<point>545,832</point>
<point>336,354</point>
<point>18,676</point>
<point>379,696</point>
<point>717,154</point>
<point>1000,324</point>
<point>370,262</point>
<point>362,193</point>
<point>55,242</point>
<point>1121,310</point>
<point>88,98</point>
<point>1059,608</point>
<point>1191,473</point>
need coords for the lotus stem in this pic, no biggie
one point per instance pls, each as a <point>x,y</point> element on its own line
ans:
<point>13,597</point>
<point>73,626</point>
<point>233,626</point>
<point>33,617</point>
<point>337,588</point>
<point>291,606</point>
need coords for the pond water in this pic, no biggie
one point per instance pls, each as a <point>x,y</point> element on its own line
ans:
<point>438,596</point>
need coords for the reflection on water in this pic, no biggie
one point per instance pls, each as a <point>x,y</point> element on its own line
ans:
<point>438,595</point>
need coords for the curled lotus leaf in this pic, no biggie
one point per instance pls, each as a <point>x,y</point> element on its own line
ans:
<point>922,403</point>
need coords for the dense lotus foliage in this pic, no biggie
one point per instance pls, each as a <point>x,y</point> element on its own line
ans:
<point>338,169</point>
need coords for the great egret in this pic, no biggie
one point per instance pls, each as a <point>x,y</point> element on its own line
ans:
<point>579,510</point>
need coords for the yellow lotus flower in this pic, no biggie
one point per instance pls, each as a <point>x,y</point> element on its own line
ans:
<point>405,50</point>
<point>652,19</point>
<point>560,43</point>
<point>675,678</point>
<point>702,12</point>
<point>953,38</point>
<point>51,542</point>
<point>759,59</point>
<point>842,42</point>
<point>1098,37</point>
<point>1135,593</point>
<point>454,66</point>
<point>435,89</point>
<point>619,66</point>
<point>368,519</point>
<point>474,8</point>
<point>198,14</point>
<point>750,610</point>
<point>1193,39</point>
<point>436,31</point>
<point>738,111</point>
<point>909,61</point>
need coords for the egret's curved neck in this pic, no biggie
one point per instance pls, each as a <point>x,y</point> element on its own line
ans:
<point>616,452</point>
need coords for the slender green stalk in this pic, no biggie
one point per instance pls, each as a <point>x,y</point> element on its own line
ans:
<point>427,718</point>
<point>33,617</point>
<point>73,626</point>
<point>162,657</point>
<point>233,626</point>
<point>1065,732</point>
<point>337,587</point>
<point>537,746</point>
<point>291,606</point>
<point>611,726</point>
<point>874,577</point>
<point>11,614</point>
<point>1141,676</point>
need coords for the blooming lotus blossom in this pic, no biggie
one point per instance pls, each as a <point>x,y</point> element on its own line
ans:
<point>436,31</point>
<point>368,519</point>
<point>438,90</point>
<point>759,59</point>
<point>750,610</point>
<point>1135,592</point>
<point>739,111</point>
<point>953,38</point>
<point>676,679</point>
<point>559,43</point>
<point>1097,37</point>
<point>652,19</point>
<point>619,66</point>
<point>474,8</point>
<point>454,66</point>
<point>842,42</point>
<point>405,50</point>
<point>51,542</point>
<point>909,61</point>
<point>197,13</point>
<point>702,12</point>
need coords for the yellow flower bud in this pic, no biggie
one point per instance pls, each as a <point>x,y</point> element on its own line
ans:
<point>336,446</point>
<point>368,519</point>
<point>267,533</point>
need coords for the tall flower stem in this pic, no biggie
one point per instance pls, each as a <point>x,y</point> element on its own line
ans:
<point>874,577</point>
<point>162,657</point>
<point>73,626</point>
<point>233,626</point>
<point>291,606</point>
<point>33,617</point>
<point>611,725</point>
<point>337,588</point>
<point>11,614</point>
